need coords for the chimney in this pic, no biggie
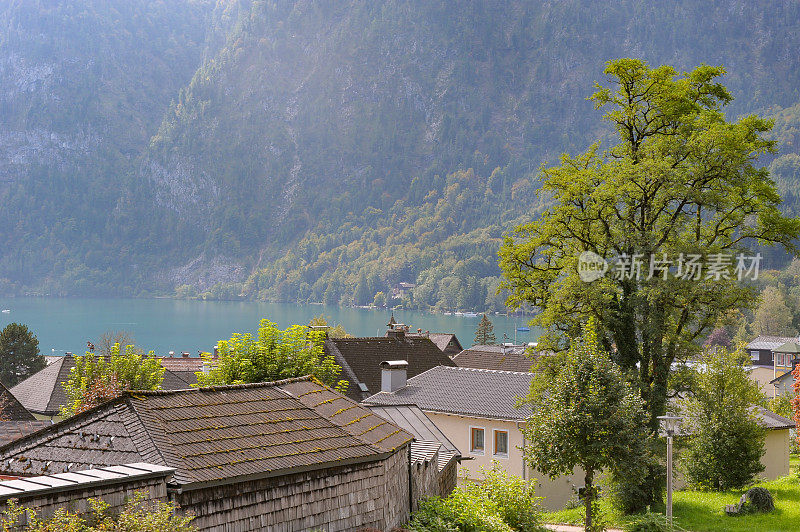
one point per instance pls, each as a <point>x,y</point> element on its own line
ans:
<point>397,331</point>
<point>185,354</point>
<point>171,354</point>
<point>393,375</point>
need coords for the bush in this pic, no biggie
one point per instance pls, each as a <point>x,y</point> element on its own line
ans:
<point>758,500</point>
<point>651,522</point>
<point>501,503</point>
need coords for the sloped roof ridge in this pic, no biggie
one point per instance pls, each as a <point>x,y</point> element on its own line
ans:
<point>218,388</point>
<point>480,370</point>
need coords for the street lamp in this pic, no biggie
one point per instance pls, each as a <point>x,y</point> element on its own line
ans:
<point>670,425</point>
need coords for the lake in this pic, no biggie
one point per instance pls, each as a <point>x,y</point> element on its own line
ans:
<point>163,325</point>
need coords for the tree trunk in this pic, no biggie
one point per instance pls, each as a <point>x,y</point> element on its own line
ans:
<point>588,500</point>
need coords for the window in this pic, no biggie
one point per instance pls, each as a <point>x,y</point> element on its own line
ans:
<point>501,442</point>
<point>779,359</point>
<point>754,355</point>
<point>476,440</point>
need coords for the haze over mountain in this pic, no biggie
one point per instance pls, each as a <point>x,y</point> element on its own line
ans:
<point>302,150</point>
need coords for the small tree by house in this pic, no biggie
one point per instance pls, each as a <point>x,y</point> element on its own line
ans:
<point>96,379</point>
<point>484,335</point>
<point>19,354</point>
<point>586,415</point>
<point>273,354</point>
<point>725,441</point>
<point>334,331</point>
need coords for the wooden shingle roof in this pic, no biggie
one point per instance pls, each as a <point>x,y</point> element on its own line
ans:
<point>509,358</point>
<point>360,359</point>
<point>11,409</point>
<point>214,435</point>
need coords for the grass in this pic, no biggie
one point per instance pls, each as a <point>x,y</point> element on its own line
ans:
<point>700,511</point>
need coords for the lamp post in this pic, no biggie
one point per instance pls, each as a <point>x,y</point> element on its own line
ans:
<point>670,426</point>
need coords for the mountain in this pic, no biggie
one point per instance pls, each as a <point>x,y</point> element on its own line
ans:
<point>310,150</point>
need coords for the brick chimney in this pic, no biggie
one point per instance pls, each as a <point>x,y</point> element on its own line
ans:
<point>393,375</point>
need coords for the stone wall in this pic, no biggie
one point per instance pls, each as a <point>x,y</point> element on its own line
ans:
<point>371,494</point>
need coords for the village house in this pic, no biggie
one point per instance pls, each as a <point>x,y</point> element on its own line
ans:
<point>360,358</point>
<point>43,393</point>
<point>478,411</point>
<point>287,455</point>
<point>446,342</point>
<point>771,357</point>
<point>500,357</point>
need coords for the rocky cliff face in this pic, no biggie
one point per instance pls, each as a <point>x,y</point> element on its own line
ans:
<point>145,144</point>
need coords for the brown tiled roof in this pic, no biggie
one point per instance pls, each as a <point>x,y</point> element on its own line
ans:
<point>442,341</point>
<point>14,430</point>
<point>182,363</point>
<point>360,359</point>
<point>494,357</point>
<point>11,409</point>
<point>214,435</point>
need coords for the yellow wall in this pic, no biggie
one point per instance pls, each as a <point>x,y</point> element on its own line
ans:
<point>764,374</point>
<point>776,455</point>
<point>556,492</point>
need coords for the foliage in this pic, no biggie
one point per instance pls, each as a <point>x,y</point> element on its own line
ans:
<point>335,331</point>
<point>651,522</point>
<point>138,515</point>
<point>501,502</point>
<point>773,317</point>
<point>19,354</point>
<point>758,499</point>
<point>725,440</point>
<point>681,180</point>
<point>586,416</point>
<point>273,354</point>
<point>95,379</point>
<point>484,334</point>
<point>105,344</point>
<point>796,402</point>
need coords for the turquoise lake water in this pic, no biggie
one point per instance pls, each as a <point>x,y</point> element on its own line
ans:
<point>163,325</point>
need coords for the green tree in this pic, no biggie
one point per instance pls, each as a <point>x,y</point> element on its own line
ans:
<point>484,334</point>
<point>585,415</point>
<point>19,354</point>
<point>273,354</point>
<point>773,316</point>
<point>379,300</point>
<point>334,331</point>
<point>95,379</point>
<point>680,181</point>
<point>725,441</point>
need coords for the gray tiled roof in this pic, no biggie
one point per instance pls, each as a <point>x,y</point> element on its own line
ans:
<point>772,421</point>
<point>14,430</point>
<point>43,392</point>
<point>770,342</point>
<point>11,409</point>
<point>495,357</point>
<point>360,359</point>
<point>213,434</point>
<point>466,391</point>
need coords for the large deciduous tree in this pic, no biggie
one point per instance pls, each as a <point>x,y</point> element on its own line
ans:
<point>19,354</point>
<point>681,181</point>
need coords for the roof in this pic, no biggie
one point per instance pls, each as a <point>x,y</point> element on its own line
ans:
<point>11,409</point>
<point>441,340</point>
<point>788,347</point>
<point>772,421</point>
<point>214,435</point>
<point>43,392</point>
<point>360,359</point>
<point>192,364</point>
<point>471,392</point>
<point>770,342</point>
<point>14,430</point>
<point>428,439</point>
<point>41,485</point>
<point>494,357</point>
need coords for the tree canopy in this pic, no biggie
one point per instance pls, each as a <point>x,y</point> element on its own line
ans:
<point>273,354</point>
<point>680,183</point>
<point>19,354</point>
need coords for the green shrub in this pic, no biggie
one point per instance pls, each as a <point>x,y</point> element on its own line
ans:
<point>501,503</point>
<point>651,522</point>
<point>758,500</point>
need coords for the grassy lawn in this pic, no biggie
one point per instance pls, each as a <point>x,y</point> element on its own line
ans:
<point>699,511</point>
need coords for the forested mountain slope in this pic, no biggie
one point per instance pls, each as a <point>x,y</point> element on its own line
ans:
<point>322,150</point>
